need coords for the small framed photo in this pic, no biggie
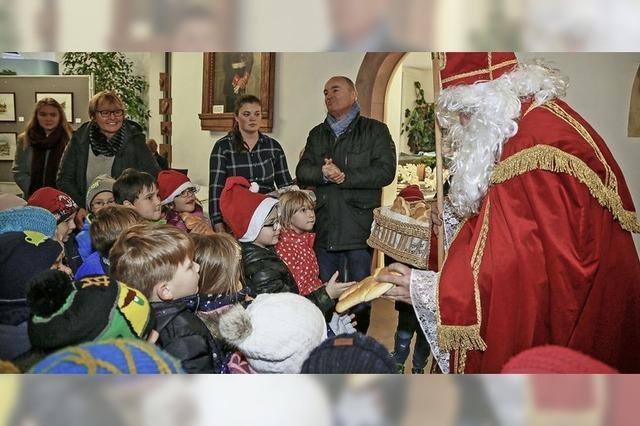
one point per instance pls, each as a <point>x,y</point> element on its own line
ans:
<point>7,106</point>
<point>8,146</point>
<point>65,99</point>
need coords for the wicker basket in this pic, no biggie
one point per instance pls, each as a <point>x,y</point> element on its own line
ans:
<point>401,237</point>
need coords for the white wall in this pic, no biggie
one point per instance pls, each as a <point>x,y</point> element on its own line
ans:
<point>298,104</point>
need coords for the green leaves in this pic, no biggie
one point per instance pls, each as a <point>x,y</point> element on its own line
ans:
<point>112,71</point>
<point>420,123</point>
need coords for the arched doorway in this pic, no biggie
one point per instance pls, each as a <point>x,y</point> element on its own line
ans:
<point>372,81</point>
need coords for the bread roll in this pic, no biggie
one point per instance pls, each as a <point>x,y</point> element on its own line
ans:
<point>400,205</point>
<point>191,221</point>
<point>364,291</point>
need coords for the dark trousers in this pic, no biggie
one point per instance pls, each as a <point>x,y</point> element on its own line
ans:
<point>407,325</point>
<point>352,265</point>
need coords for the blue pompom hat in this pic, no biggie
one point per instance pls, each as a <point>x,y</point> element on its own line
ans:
<point>28,218</point>
<point>114,356</point>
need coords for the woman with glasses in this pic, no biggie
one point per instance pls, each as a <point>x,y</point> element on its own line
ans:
<point>108,144</point>
<point>40,147</point>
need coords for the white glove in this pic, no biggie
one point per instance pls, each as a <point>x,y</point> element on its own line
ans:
<point>342,324</point>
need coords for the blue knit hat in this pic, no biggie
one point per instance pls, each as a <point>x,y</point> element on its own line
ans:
<point>28,218</point>
<point>114,356</point>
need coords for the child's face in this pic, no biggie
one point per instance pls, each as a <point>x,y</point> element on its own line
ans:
<point>303,220</point>
<point>186,201</point>
<point>101,200</point>
<point>270,231</point>
<point>65,228</point>
<point>148,203</point>
<point>185,281</point>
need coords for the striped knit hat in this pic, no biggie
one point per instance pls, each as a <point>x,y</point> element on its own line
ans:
<point>113,356</point>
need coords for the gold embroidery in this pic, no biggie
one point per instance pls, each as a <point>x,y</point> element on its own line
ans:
<point>549,158</point>
<point>610,177</point>
<point>99,281</point>
<point>463,338</point>
<point>480,71</point>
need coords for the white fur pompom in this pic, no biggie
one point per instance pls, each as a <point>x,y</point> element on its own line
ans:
<point>234,325</point>
<point>254,187</point>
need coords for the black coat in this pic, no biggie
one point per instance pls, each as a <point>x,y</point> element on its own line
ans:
<point>365,152</point>
<point>187,338</point>
<point>72,176</point>
<point>265,272</point>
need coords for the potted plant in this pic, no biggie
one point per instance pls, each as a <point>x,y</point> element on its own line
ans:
<point>419,123</point>
<point>112,71</point>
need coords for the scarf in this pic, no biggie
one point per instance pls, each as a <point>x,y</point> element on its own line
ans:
<point>100,145</point>
<point>211,302</point>
<point>339,127</point>
<point>53,145</point>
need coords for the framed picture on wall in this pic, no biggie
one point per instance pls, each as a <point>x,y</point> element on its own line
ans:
<point>226,77</point>
<point>7,146</point>
<point>7,106</point>
<point>65,99</point>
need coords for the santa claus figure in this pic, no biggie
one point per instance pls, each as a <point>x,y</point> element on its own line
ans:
<point>538,226</point>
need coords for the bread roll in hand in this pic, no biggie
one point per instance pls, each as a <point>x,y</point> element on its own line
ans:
<point>196,224</point>
<point>364,291</point>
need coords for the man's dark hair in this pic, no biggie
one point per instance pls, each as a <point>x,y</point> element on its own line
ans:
<point>130,184</point>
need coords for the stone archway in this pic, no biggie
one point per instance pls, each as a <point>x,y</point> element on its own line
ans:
<point>372,81</point>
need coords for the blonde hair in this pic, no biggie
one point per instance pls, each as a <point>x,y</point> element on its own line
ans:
<point>146,255</point>
<point>109,223</point>
<point>292,201</point>
<point>104,97</point>
<point>219,258</point>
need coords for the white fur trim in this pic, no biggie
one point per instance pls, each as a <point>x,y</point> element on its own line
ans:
<point>257,220</point>
<point>234,325</point>
<point>178,191</point>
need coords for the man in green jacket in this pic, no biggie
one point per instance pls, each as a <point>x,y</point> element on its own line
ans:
<point>348,158</point>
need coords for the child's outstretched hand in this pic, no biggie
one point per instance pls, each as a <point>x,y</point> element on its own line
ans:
<point>342,324</point>
<point>334,289</point>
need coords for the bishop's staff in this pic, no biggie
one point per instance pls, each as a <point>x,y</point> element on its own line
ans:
<point>437,58</point>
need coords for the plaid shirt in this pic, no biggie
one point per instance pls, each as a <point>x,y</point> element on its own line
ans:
<point>266,165</point>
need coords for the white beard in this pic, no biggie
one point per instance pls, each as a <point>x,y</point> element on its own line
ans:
<point>493,108</point>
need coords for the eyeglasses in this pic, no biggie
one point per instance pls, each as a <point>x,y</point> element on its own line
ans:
<point>274,225</point>
<point>106,113</point>
<point>101,204</point>
<point>188,193</point>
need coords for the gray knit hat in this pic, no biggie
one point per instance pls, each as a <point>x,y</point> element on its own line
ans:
<point>100,184</point>
<point>350,354</point>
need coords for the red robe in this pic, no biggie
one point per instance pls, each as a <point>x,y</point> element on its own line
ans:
<point>550,258</point>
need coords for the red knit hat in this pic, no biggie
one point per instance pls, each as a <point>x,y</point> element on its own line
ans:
<point>552,359</point>
<point>412,193</point>
<point>57,202</point>
<point>469,67</point>
<point>171,183</point>
<point>243,208</point>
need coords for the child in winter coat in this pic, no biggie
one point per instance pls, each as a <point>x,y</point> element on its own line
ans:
<point>159,261</point>
<point>106,227</point>
<point>253,219</point>
<point>180,206</point>
<point>99,195</point>
<point>295,248</point>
